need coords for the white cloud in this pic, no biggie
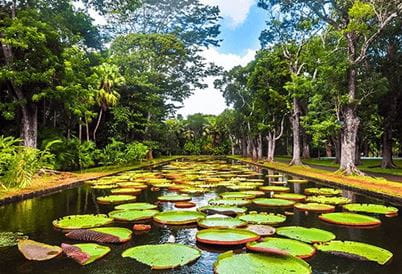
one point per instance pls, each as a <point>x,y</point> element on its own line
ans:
<point>236,11</point>
<point>210,100</point>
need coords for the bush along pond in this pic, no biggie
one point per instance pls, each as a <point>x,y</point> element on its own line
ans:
<point>205,216</point>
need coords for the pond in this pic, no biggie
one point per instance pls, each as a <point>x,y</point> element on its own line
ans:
<point>34,218</point>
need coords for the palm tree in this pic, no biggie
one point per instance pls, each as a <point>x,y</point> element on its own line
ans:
<point>109,78</point>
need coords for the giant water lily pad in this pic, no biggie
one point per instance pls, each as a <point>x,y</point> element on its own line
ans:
<point>11,238</point>
<point>315,207</point>
<point>174,198</point>
<point>271,202</point>
<point>36,251</point>
<point>128,191</point>
<point>115,199</point>
<point>325,191</point>
<point>221,222</point>
<point>256,193</point>
<point>178,217</point>
<point>356,250</point>
<point>298,181</point>
<point>372,208</point>
<point>85,253</point>
<point>262,230</point>
<point>263,218</point>
<point>229,202</point>
<point>132,215</point>
<point>349,219</point>
<point>103,186</point>
<point>304,234</point>
<point>290,196</point>
<point>231,263</point>
<point>226,236</point>
<point>136,206</point>
<point>101,235</point>
<point>328,200</point>
<point>163,256</point>
<point>283,247</point>
<point>82,221</point>
<point>225,210</point>
<point>275,188</point>
<point>236,195</point>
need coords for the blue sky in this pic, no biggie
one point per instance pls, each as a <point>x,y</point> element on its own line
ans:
<point>241,26</point>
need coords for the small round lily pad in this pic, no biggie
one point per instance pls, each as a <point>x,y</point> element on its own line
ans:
<point>221,222</point>
<point>271,202</point>
<point>85,253</point>
<point>178,217</point>
<point>357,250</point>
<point>163,256</point>
<point>136,206</point>
<point>132,215</point>
<point>82,221</point>
<point>349,219</point>
<point>263,218</point>
<point>328,200</point>
<point>115,199</point>
<point>324,191</point>
<point>315,207</point>
<point>174,198</point>
<point>290,196</point>
<point>372,208</point>
<point>305,234</point>
<point>226,236</point>
<point>231,263</point>
<point>275,188</point>
<point>229,202</point>
<point>225,210</point>
<point>282,246</point>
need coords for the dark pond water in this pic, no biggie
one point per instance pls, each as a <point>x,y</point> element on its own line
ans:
<point>34,217</point>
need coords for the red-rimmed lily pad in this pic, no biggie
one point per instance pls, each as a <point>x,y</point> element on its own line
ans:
<point>275,188</point>
<point>116,199</point>
<point>174,198</point>
<point>36,251</point>
<point>178,217</point>
<point>85,253</point>
<point>263,218</point>
<point>101,235</point>
<point>328,200</point>
<point>324,191</point>
<point>229,202</point>
<point>225,210</point>
<point>132,185</point>
<point>372,208</point>
<point>82,221</point>
<point>315,207</point>
<point>163,256</point>
<point>136,206</point>
<point>231,263</point>
<point>226,236</point>
<point>349,219</point>
<point>272,202</point>
<point>221,222</point>
<point>356,250</point>
<point>282,246</point>
<point>262,230</point>
<point>305,234</point>
<point>129,191</point>
<point>290,196</point>
<point>103,186</point>
<point>184,204</point>
<point>132,215</point>
<point>256,193</point>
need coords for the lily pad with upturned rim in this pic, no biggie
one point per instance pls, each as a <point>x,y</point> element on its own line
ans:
<point>282,246</point>
<point>178,217</point>
<point>231,263</point>
<point>226,236</point>
<point>82,221</point>
<point>357,250</point>
<point>273,202</point>
<point>163,256</point>
<point>36,251</point>
<point>115,199</point>
<point>225,210</point>
<point>315,207</point>
<point>236,195</point>
<point>174,198</point>
<point>349,219</point>
<point>263,218</point>
<point>229,202</point>
<point>129,191</point>
<point>136,206</point>
<point>372,208</point>
<point>324,191</point>
<point>275,188</point>
<point>85,253</point>
<point>298,181</point>
<point>132,215</point>
<point>305,234</point>
<point>289,196</point>
<point>328,200</point>
<point>262,230</point>
<point>101,234</point>
<point>221,222</point>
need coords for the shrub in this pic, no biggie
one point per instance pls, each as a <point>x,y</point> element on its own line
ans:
<point>136,152</point>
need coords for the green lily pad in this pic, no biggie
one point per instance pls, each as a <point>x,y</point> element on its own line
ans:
<point>178,217</point>
<point>103,186</point>
<point>225,210</point>
<point>328,200</point>
<point>115,199</point>
<point>85,253</point>
<point>262,230</point>
<point>135,206</point>
<point>174,198</point>
<point>236,195</point>
<point>36,251</point>
<point>275,188</point>
<point>315,207</point>
<point>271,202</point>
<point>357,250</point>
<point>263,218</point>
<point>289,196</point>
<point>324,191</point>
<point>132,185</point>
<point>226,236</point>
<point>163,256</point>
<point>372,208</point>
<point>349,219</point>
<point>304,234</point>
<point>229,202</point>
<point>230,263</point>
<point>281,246</point>
<point>128,191</point>
<point>82,221</point>
<point>132,215</point>
<point>221,222</point>
<point>256,193</point>
<point>101,235</point>
<point>11,238</point>
<point>298,181</point>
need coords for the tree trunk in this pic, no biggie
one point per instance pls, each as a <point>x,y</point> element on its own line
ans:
<point>306,146</point>
<point>97,124</point>
<point>295,121</point>
<point>271,147</point>
<point>29,125</point>
<point>243,147</point>
<point>80,130</point>
<point>328,149</point>
<point>259,147</point>
<point>232,144</point>
<point>387,161</point>
<point>87,128</point>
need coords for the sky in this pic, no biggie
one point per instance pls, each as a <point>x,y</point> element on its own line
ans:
<point>241,26</point>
